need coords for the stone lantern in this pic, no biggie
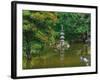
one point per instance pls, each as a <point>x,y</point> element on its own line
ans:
<point>62,39</point>
<point>62,43</point>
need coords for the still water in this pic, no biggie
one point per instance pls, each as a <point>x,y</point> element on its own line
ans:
<point>77,55</point>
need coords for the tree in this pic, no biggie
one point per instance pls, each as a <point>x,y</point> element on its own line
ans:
<point>36,27</point>
<point>42,28</point>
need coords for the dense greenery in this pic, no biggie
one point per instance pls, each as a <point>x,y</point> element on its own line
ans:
<point>41,29</point>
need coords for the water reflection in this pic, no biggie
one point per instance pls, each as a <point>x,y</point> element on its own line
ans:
<point>77,55</point>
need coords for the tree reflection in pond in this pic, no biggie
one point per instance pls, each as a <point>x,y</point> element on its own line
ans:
<point>52,59</point>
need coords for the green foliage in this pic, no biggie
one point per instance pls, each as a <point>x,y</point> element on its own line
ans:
<point>43,27</point>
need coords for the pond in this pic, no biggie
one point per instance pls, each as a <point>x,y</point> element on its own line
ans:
<point>76,56</point>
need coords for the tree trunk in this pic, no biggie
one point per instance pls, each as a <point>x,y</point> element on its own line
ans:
<point>28,51</point>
